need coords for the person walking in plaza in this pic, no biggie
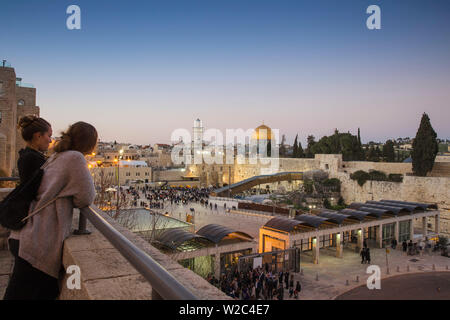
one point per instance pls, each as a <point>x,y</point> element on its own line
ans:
<point>421,247</point>
<point>291,286</point>
<point>394,243</point>
<point>297,290</point>
<point>404,245</point>
<point>280,295</point>
<point>363,255</point>
<point>368,255</point>
<point>286,279</point>
<point>66,184</point>
<point>410,248</point>
<point>428,245</point>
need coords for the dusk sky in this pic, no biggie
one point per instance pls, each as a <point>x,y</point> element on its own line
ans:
<point>137,70</point>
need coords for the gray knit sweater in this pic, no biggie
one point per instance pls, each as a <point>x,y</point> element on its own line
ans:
<point>41,239</point>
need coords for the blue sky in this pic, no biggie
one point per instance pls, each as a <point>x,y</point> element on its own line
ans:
<point>138,70</point>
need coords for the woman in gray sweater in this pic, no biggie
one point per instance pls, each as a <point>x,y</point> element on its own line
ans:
<point>66,184</point>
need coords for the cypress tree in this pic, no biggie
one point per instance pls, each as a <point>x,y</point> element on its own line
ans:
<point>300,153</point>
<point>425,148</point>
<point>295,151</point>
<point>388,151</point>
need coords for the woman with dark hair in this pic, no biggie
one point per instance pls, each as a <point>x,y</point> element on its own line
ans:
<point>37,134</point>
<point>66,184</point>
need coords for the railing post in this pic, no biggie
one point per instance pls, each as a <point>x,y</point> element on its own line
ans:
<point>82,222</point>
<point>155,295</point>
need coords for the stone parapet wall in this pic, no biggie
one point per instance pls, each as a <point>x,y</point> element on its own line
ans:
<point>386,167</point>
<point>107,275</point>
<point>4,233</point>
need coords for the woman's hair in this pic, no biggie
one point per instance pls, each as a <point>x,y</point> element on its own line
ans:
<point>80,136</point>
<point>31,124</point>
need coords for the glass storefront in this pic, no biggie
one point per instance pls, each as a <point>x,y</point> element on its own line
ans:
<point>404,229</point>
<point>388,234</point>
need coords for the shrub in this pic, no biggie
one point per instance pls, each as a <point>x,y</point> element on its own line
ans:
<point>341,202</point>
<point>361,176</point>
<point>309,186</point>
<point>395,177</point>
<point>377,175</point>
<point>326,203</point>
<point>333,182</point>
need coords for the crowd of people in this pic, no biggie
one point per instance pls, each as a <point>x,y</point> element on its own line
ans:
<point>151,197</point>
<point>417,248</point>
<point>257,284</point>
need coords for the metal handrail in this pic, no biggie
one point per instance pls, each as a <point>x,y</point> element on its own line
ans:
<point>164,285</point>
<point>9,178</point>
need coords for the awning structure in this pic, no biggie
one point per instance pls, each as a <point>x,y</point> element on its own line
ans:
<point>310,220</point>
<point>216,233</point>
<point>283,224</point>
<point>397,210</point>
<point>181,239</point>
<point>333,216</point>
<point>423,206</point>
<point>355,214</point>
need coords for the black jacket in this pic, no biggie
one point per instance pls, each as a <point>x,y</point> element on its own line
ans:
<point>29,161</point>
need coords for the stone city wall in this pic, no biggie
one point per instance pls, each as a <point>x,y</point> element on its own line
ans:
<point>386,167</point>
<point>414,189</point>
<point>168,175</point>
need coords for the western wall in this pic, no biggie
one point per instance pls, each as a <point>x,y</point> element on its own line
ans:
<point>431,189</point>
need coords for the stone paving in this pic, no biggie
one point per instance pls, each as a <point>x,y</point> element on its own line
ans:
<point>333,273</point>
<point>417,286</point>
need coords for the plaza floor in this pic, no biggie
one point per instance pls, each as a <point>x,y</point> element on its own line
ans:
<point>418,286</point>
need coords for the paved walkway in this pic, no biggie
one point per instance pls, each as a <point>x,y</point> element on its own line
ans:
<point>419,286</point>
<point>333,273</point>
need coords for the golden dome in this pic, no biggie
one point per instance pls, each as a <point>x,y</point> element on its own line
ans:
<point>263,132</point>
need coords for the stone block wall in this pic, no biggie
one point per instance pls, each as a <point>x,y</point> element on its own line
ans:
<point>414,189</point>
<point>8,109</point>
<point>107,275</point>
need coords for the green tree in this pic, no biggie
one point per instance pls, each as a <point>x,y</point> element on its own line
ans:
<point>425,148</point>
<point>310,144</point>
<point>295,149</point>
<point>339,143</point>
<point>372,154</point>
<point>283,147</point>
<point>388,151</point>
<point>300,153</point>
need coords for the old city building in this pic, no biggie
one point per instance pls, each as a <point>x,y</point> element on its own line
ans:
<point>16,100</point>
